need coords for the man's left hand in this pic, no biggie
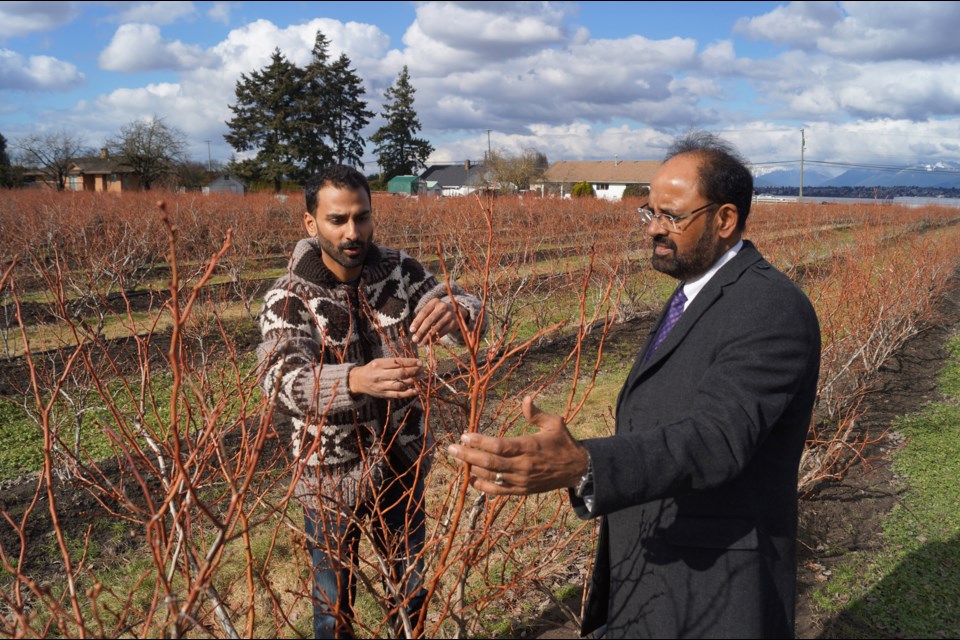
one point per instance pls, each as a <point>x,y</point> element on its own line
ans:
<point>435,320</point>
<point>522,465</point>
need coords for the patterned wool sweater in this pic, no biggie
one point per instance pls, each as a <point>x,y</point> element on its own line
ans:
<point>314,330</point>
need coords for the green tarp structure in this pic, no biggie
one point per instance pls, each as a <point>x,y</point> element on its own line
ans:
<point>403,184</point>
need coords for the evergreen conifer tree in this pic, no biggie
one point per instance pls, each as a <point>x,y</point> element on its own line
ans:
<point>348,112</point>
<point>267,118</point>
<point>398,152</point>
<point>315,109</point>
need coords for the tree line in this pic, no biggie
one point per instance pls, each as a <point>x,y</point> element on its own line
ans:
<point>151,149</point>
<point>292,120</point>
<point>300,119</point>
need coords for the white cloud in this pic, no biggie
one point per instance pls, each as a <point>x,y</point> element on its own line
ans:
<point>249,47</point>
<point>577,141</point>
<point>862,30</point>
<point>490,30</point>
<point>797,24</point>
<point>220,12</point>
<point>822,87</point>
<point>36,73</point>
<point>598,80</point>
<point>893,140</point>
<point>22,18</point>
<point>472,35</point>
<point>198,102</point>
<point>890,140</point>
<point>719,56</point>
<point>901,89</point>
<point>157,12</point>
<point>524,71</point>
<point>895,30</point>
<point>140,47</point>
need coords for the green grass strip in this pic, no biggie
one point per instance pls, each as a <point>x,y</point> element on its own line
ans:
<point>910,587</point>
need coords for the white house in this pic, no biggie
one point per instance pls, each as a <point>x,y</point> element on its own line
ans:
<point>609,178</point>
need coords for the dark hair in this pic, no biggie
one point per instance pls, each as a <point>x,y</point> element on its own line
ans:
<point>724,176</point>
<point>336,175</point>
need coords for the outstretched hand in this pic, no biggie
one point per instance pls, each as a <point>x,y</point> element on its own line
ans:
<point>523,465</point>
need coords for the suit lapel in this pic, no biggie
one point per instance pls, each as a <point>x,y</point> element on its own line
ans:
<point>728,274</point>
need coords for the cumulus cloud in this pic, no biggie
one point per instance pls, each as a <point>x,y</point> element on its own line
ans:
<point>815,86</point>
<point>895,30</point>
<point>881,140</point>
<point>719,56</point>
<point>36,73</point>
<point>598,80</point>
<point>532,77</point>
<point>198,102</point>
<point>901,89</point>
<point>249,47</point>
<point>798,24</point>
<point>23,18</point>
<point>862,30</point>
<point>219,12</point>
<point>140,47</point>
<point>156,12</point>
<point>576,141</point>
<point>491,30</point>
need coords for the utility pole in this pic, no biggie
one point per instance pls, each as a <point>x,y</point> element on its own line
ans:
<point>803,145</point>
<point>487,160</point>
<point>209,161</point>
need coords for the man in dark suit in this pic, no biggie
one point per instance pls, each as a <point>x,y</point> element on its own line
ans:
<point>697,489</point>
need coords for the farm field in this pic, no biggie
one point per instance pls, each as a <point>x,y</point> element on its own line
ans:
<point>146,492</point>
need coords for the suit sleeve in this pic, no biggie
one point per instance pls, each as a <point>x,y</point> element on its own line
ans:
<point>760,366</point>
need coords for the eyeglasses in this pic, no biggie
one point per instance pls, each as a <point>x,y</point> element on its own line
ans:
<point>671,222</point>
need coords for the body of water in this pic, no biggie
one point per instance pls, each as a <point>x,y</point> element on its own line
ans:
<point>903,201</point>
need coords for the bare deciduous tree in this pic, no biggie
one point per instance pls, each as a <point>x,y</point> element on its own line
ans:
<point>151,147</point>
<point>52,154</point>
<point>516,172</point>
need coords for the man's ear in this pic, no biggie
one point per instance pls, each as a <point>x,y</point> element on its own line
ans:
<point>726,220</point>
<point>310,223</point>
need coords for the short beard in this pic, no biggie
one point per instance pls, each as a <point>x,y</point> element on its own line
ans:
<point>685,268</point>
<point>336,253</point>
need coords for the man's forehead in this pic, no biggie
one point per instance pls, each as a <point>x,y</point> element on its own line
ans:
<point>677,177</point>
<point>342,197</point>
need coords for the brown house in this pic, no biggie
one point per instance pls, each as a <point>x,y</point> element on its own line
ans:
<point>609,178</point>
<point>101,173</point>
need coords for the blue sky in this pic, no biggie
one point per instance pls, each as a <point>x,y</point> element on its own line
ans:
<point>868,82</point>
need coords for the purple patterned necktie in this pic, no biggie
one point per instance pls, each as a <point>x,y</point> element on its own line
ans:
<point>673,314</point>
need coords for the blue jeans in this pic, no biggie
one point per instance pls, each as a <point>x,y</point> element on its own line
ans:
<point>397,523</point>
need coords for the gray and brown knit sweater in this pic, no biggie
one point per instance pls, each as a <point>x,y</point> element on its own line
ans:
<point>314,330</point>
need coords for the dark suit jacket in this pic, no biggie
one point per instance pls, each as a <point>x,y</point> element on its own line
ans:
<point>698,488</point>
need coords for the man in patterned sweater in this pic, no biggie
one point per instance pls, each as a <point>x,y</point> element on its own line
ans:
<point>339,351</point>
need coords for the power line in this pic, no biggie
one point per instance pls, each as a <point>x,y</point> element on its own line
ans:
<point>854,165</point>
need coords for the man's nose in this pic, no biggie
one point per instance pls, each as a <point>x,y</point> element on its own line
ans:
<point>351,232</point>
<point>656,227</point>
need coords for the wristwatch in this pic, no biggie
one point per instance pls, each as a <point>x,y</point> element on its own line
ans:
<point>585,486</point>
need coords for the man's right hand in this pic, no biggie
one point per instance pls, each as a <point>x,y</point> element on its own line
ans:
<point>386,377</point>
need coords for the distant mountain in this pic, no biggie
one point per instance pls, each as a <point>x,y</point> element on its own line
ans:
<point>791,178</point>
<point>942,175</point>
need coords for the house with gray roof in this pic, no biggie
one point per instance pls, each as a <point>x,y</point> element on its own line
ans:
<point>458,179</point>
